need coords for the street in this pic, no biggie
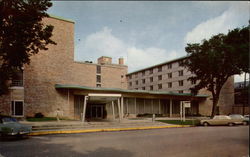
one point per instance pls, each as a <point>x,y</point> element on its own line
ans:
<point>221,141</point>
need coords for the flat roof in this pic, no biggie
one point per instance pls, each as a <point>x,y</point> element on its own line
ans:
<point>167,62</point>
<point>67,86</point>
<point>61,18</point>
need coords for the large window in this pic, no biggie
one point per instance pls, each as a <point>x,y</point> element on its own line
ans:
<point>151,88</point>
<point>181,73</point>
<point>181,83</point>
<point>98,78</point>
<point>151,71</point>
<point>17,108</point>
<point>17,80</point>
<point>169,75</point>
<point>160,69</point>
<point>159,86</point>
<point>169,66</point>
<point>98,69</point>
<point>170,85</point>
<point>136,82</point>
<point>151,79</point>
<point>160,77</point>
<point>143,81</point>
<point>143,73</point>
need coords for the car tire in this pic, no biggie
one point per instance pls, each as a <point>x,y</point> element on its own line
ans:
<point>244,123</point>
<point>205,124</point>
<point>231,124</point>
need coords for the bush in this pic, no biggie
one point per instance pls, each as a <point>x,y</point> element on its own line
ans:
<point>39,115</point>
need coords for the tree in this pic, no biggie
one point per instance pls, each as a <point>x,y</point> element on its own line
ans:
<point>213,61</point>
<point>22,34</point>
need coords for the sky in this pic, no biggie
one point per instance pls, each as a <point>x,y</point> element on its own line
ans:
<point>146,33</point>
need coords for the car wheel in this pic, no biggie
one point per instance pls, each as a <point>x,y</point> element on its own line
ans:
<point>205,124</point>
<point>231,124</point>
<point>244,123</point>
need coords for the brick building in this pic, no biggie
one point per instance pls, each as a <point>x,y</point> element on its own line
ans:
<point>53,80</point>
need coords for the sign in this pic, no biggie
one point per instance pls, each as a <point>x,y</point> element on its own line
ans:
<point>187,104</point>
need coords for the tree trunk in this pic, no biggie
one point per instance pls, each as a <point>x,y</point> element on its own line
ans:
<point>215,102</point>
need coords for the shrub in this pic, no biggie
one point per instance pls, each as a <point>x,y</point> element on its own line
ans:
<point>39,115</point>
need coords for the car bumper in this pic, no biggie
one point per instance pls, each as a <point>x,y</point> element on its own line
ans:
<point>18,133</point>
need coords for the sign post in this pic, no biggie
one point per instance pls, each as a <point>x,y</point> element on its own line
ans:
<point>184,105</point>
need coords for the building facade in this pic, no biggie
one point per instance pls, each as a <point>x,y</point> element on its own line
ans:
<point>171,77</point>
<point>85,90</point>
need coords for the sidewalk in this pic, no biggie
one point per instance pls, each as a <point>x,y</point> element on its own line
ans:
<point>63,127</point>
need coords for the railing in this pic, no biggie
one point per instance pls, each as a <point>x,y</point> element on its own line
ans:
<point>17,83</point>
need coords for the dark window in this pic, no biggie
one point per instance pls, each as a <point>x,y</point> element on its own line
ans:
<point>169,75</point>
<point>151,71</point>
<point>151,88</point>
<point>17,79</point>
<point>151,79</point>
<point>130,76</point>
<point>181,83</point>
<point>98,69</point>
<point>136,88</point>
<point>170,85</point>
<point>121,76</point>
<point>135,75</point>
<point>130,83</point>
<point>143,81</point>
<point>160,77</point>
<point>98,85</point>
<point>159,86</point>
<point>98,78</point>
<point>180,62</point>
<point>159,69</point>
<point>143,88</point>
<point>17,108</point>
<point>180,91</point>
<point>170,66</point>
<point>136,82</point>
<point>143,73</point>
<point>181,73</point>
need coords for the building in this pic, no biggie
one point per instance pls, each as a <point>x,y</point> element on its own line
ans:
<point>171,77</point>
<point>241,96</point>
<point>54,81</point>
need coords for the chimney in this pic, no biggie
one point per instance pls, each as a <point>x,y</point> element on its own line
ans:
<point>121,61</point>
<point>104,60</point>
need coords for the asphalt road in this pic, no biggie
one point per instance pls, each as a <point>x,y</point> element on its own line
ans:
<point>220,141</point>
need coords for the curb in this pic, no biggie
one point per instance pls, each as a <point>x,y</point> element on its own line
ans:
<point>102,130</point>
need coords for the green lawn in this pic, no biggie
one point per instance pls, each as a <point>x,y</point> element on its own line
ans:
<point>179,122</point>
<point>41,119</point>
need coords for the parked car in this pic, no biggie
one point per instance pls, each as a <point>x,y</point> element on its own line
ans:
<point>220,120</point>
<point>246,119</point>
<point>239,117</point>
<point>10,126</point>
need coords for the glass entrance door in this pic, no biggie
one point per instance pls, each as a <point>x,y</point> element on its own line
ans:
<point>96,111</point>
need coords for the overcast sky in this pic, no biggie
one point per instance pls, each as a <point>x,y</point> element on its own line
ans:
<point>149,32</point>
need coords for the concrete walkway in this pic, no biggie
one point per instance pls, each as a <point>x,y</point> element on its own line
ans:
<point>55,127</point>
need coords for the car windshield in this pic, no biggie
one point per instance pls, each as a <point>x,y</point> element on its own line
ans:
<point>9,119</point>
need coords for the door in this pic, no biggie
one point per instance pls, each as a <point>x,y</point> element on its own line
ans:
<point>96,111</point>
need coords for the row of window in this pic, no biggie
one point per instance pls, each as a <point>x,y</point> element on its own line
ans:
<point>159,87</point>
<point>159,69</point>
<point>98,76</point>
<point>181,82</point>
<point>169,75</point>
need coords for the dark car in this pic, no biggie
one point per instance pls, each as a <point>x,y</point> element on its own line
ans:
<point>10,126</point>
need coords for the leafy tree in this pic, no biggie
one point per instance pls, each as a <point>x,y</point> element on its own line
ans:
<point>22,34</point>
<point>215,60</point>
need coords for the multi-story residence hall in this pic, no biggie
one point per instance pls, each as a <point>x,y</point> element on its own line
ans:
<point>173,78</point>
<point>54,83</point>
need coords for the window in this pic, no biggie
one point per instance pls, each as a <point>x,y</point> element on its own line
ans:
<point>135,76</point>
<point>121,76</point>
<point>151,79</point>
<point>170,66</point>
<point>130,83</point>
<point>193,81</point>
<point>17,80</point>
<point>136,88</point>
<point>143,88</point>
<point>180,91</point>
<point>159,86</point>
<point>170,85</point>
<point>98,78</point>
<point>98,69</point>
<point>17,108</point>
<point>159,69</point>
<point>180,62</point>
<point>98,85</point>
<point>169,75</point>
<point>160,77</point>
<point>143,73</point>
<point>143,81</point>
<point>181,73</point>
<point>151,88</point>
<point>151,71</point>
<point>130,76</point>
<point>136,82</point>
<point>181,83</point>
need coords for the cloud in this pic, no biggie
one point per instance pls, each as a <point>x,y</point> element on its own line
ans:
<point>235,16</point>
<point>104,43</point>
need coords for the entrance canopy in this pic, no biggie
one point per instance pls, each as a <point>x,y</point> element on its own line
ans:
<point>114,93</point>
<point>101,98</point>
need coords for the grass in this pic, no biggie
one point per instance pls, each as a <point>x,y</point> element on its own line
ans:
<point>44,119</point>
<point>179,122</point>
